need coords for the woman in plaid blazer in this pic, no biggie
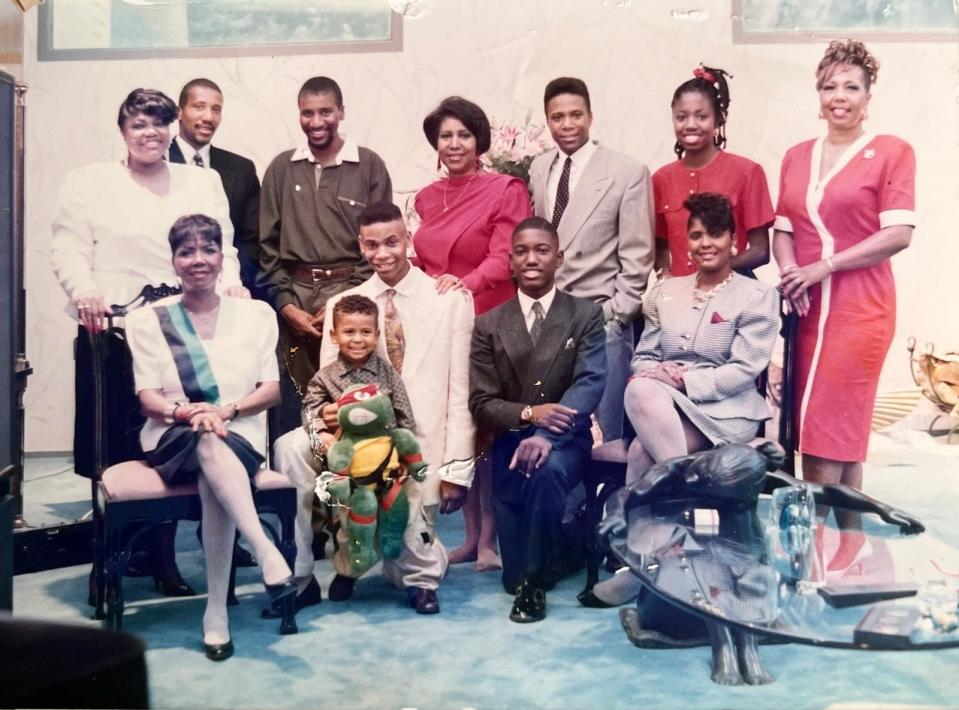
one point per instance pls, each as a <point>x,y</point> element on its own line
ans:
<point>707,338</point>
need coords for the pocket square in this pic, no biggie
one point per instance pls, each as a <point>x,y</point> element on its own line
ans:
<point>570,344</point>
<point>717,318</point>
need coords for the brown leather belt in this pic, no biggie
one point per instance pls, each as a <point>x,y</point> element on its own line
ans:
<point>316,272</point>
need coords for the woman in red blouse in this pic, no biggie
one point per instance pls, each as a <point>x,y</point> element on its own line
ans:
<point>467,221</point>
<point>700,107</point>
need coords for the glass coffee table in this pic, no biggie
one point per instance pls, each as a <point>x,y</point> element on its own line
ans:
<point>846,580</point>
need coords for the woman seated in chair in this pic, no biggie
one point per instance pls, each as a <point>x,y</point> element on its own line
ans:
<point>708,336</point>
<point>206,372</point>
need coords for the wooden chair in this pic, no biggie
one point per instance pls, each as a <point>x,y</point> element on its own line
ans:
<point>132,492</point>
<point>607,470</point>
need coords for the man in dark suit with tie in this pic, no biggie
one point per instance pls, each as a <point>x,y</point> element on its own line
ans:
<point>201,108</point>
<point>537,372</point>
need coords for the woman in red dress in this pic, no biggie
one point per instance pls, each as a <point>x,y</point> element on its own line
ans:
<point>846,204</point>
<point>467,221</point>
<point>700,108</point>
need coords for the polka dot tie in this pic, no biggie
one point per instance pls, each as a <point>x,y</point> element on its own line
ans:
<point>562,193</point>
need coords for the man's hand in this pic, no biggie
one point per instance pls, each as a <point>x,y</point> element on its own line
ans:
<point>452,497</point>
<point>553,417</point>
<point>530,455</point>
<point>301,322</point>
<point>908,525</point>
<point>328,415</point>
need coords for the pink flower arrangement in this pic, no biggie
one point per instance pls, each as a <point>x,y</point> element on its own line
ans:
<point>514,147</point>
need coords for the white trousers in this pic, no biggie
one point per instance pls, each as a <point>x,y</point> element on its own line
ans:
<point>423,561</point>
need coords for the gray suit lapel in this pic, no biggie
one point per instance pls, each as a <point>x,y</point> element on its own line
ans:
<point>590,189</point>
<point>539,179</point>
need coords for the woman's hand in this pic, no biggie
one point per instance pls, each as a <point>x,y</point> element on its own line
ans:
<point>209,421</point>
<point>91,311</point>
<point>237,292</point>
<point>669,372</point>
<point>795,282</point>
<point>448,282</point>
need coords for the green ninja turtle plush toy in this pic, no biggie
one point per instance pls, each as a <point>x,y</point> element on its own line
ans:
<point>366,460</point>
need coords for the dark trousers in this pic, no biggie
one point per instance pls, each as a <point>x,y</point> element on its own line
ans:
<point>529,511</point>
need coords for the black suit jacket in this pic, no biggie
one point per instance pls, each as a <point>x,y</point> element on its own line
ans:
<point>568,365</point>
<point>242,188</point>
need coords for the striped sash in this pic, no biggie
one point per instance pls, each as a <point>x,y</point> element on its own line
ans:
<point>192,363</point>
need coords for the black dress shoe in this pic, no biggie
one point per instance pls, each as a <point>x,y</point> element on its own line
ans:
<point>423,600</point>
<point>341,588</point>
<point>588,599</point>
<point>173,586</point>
<point>218,651</point>
<point>243,557</point>
<point>278,592</point>
<point>529,604</point>
<point>310,595</point>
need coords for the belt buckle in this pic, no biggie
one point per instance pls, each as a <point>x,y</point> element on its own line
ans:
<point>321,274</point>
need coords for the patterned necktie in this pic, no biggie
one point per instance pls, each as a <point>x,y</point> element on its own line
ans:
<point>562,193</point>
<point>198,159</point>
<point>395,342</point>
<point>537,328</point>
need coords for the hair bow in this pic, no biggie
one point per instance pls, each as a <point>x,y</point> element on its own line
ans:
<point>701,73</point>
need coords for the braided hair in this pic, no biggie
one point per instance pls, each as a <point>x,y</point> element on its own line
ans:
<point>711,83</point>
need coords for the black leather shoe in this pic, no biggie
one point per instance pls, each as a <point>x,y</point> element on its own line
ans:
<point>423,600</point>
<point>310,595</point>
<point>529,604</point>
<point>218,651</point>
<point>173,586</point>
<point>341,588</point>
<point>243,557</point>
<point>588,599</point>
<point>278,592</point>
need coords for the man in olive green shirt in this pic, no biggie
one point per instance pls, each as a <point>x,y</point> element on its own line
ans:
<point>310,205</point>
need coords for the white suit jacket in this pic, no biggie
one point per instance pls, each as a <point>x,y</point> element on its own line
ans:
<point>606,232</point>
<point>438,329</point>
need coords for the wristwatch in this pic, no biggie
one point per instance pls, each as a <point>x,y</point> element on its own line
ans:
<point>527,414</point>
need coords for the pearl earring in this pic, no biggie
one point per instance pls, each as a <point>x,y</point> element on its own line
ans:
<point>734,251</point>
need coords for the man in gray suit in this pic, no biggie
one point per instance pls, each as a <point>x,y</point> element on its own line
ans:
<point>601,203</point>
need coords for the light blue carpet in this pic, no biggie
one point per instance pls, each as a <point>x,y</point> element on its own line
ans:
<point>374,652</point>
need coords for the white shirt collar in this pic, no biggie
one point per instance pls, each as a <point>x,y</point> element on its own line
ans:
<point>349,153</point>
<point>189,151</point>
<point>526,304</point>
<point>403,288</point>
<point>580,157</point>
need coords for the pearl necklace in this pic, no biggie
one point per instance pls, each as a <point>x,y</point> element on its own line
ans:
<point>701,296</point>
<point>462,194</point>
<point>203,318</point>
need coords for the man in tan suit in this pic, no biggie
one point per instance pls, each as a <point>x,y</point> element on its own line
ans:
<point>601,203</point>
<point>433,360</point>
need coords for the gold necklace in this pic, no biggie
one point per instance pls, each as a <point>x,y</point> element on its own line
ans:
<point>462,194</point>
<point>701,296</point>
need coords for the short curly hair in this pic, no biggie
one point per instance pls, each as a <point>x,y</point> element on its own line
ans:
<point>148,102</point>
<point>467,113</point>
<point>355,304</point>
<point>714,212</point>
<point>847,53</point>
